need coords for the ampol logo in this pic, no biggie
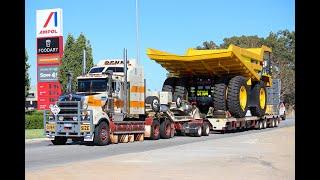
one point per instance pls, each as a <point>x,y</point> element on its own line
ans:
<point>49,18</point>
<point>49,22</point>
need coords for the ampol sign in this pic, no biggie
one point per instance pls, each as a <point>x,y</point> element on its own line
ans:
<point>49,22</point>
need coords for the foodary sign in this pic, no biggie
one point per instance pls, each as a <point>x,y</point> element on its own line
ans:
<point>47,73</point>
<point>48,45</point>
<point>49,22</point>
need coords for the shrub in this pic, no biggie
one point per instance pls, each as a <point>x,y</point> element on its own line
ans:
<point>34,120</point>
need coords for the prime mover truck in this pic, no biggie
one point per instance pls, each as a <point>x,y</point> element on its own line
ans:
<point>111,106</point>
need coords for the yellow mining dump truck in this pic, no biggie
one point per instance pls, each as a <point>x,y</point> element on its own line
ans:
<point>231,80</point>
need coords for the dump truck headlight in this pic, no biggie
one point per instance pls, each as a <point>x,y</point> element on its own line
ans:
<point>75,118</point>
<point>61,118</point>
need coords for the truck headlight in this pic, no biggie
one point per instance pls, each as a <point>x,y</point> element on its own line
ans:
<point>61,118</point>
<point>75,118</point>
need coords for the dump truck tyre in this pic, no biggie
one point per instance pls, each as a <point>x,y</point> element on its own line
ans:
<point>237,97</point>
<point>259,97</point>
<point>220,97</point>
<point>168,84</point>
<point>155,130</point>
<point>165,129</point>
<point>59,140</point>
<point>101,134</point>
<point>180,89</point>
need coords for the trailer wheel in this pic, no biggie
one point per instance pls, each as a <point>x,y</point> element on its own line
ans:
<point>260,125</point>
<point>259,99</point>
<point>205,129</point>
<point>220,97</point>
<point>237,99</point>
<point>277,122</point>
<point>155,130</point>
<point>101,134</point>
<point>264,124</point>
<point>165,129</point>
<point>199,132</point>
<point>59,140</point>
<point>273,123</point>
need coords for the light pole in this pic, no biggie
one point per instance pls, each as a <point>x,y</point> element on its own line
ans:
<point>137,33</point>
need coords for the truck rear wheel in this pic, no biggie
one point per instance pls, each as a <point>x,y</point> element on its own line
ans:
<point>199,132</point>
<point>237,99</point>
<point>205,129</point>
<point>220,97</point>
<point>155,130</point>
<point>59,140</point>
<point>259,98</point>
<point>101,134</point>
<point>165,129</point>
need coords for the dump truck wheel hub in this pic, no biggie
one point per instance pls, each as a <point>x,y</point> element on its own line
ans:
<point>262,98</point>
<point>243,97</point>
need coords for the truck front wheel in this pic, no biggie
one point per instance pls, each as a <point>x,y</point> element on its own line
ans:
<point>59,140</point>
<point>102,134</point>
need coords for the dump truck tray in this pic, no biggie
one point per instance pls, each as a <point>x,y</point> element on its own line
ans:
<point>246,62</point>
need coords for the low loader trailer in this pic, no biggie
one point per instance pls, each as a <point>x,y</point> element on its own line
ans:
<point>233,88</point>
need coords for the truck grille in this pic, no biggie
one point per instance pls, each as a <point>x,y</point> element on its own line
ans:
<point>69,109</point>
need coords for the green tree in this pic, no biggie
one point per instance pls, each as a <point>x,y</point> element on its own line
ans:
<point>283,59</point>
<point>207,45</point>
<point>243,41</point>
<point>72,60</point>
<point>26,75</point>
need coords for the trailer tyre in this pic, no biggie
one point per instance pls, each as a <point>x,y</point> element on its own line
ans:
<point>155,130</point>
<point>273,123</point>
<point>220,97</point>
<point>259,98</point>
<point>237,99</point>
<point>101,134</point>
<point>205,129</point>
<point>260,125</point>
<point>59,140</point>
<point>165,129</point>
<point>264,124</point>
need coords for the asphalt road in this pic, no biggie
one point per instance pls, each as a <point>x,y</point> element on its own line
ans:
<point>43,154</point>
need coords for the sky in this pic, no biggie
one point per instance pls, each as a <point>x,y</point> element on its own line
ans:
<point>168,25</point>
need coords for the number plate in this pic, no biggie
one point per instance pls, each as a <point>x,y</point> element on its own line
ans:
<point>85,128</point>
<point>50,127</point>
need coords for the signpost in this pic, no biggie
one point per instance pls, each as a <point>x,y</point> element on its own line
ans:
<point>49,33</point>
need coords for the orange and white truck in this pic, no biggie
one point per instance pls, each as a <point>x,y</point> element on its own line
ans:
<point>111,106</point>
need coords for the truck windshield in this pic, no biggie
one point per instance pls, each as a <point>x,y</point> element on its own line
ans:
<point>92,85</point>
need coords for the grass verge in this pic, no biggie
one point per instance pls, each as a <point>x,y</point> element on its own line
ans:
<point>34,133</point>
